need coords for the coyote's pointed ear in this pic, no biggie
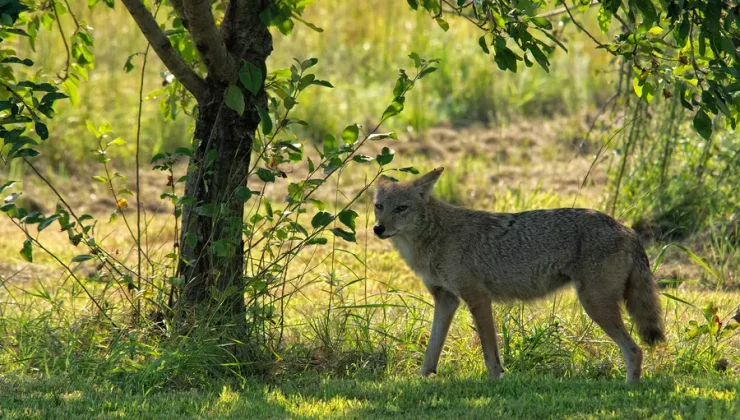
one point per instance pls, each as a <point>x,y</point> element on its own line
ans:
<point>385,180</point>
<point>425,184</point>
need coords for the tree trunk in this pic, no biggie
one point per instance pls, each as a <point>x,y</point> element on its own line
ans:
<point>212,248</point>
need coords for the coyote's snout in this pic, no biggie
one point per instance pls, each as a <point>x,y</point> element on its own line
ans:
<point>478,257</point>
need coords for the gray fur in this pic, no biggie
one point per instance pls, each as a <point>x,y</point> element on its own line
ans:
<point>481,257</point>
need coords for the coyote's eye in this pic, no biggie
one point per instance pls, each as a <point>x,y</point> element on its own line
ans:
<point>378,206</point>
<point>400,209</point>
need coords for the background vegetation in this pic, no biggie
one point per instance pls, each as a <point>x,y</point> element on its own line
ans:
<point>350,316</point>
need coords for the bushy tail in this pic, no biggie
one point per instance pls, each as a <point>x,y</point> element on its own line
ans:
<point>642,302</point>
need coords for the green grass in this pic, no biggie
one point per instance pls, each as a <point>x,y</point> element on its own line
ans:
<point>452,396</point>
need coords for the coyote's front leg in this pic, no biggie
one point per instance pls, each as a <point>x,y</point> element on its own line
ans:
<point>445,305</point>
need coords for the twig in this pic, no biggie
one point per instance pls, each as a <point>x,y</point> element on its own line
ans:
<point>64,39</point>
<point>575,22</point>
<point>693,57</point>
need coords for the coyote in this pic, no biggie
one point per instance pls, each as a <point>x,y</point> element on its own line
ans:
<point>481,257</point>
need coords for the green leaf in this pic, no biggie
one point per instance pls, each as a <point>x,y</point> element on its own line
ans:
<point>648,91</point>
<point>483,46</point>
<point>394,108</point>
<point>306,81</point>
<point>317,241</point>
<point>681,31</point>
<point>347,236</point>
<point>417,60</point>
<point>128,66</point>
<point>265,175</point>
<point>703,124</point>
<point>27,251</point>
<point>91,128</point>
<point>15,60</point>
<point>637,84</point>
<point>605,18</point>
<point>330,144</point>
<point>385,157</point>
<point>361,158</point>
<point>251,78</point>
<point>321,219</point>
<point>350,134</point>
<point>382,136</point>
<point>648,11</point>
<point>426,72</point>
<point>243,194</point>
<point>7,185</point>
<point>100,178</point>
<point>235,99</point>
<point>540,57</point>
<point>323,83</point>
<point>410,170</point>
<point>347,217</point>
<point>48,221</point>
<point>82,258</point>
<point>207,210</point>
<point>542,22</point>
<point>221,248</point>
<point>318,203</point>
<point>307,64</point>
<point>42,131</point>
<point>413,4</point>
<point>266,121</point>
<point>443,24</point>
<point>118,141</point>
<point>505,57</point>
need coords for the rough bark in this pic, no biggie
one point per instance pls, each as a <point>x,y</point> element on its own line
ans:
<point>210,276</point>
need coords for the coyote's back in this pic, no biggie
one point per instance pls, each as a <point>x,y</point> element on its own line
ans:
<point>479,256</point>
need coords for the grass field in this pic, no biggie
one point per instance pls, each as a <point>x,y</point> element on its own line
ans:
<point>355,319</point>
<point>447,397</point>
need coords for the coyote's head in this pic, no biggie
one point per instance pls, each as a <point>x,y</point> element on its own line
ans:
<point>400,206</point>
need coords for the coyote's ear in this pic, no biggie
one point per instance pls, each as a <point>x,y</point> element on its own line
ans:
<point>385,180</point>
<point>425,184</point>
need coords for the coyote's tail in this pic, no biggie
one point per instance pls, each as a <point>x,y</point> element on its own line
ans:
<point>641,297</point>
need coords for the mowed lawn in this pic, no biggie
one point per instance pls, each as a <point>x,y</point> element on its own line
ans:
<point>453,395</point>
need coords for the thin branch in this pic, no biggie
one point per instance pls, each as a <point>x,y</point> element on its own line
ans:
<point>162,46</point>
<point>64,40</point>
<point>138,165</point>
<point>697,70</point>
<point>575,22</point>
<point>208,41</point>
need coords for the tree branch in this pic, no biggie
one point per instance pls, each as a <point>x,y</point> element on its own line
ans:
<point>161,45</point>
<point>211,47</point>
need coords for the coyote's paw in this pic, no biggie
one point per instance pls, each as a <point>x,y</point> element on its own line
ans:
<point>425,372</point>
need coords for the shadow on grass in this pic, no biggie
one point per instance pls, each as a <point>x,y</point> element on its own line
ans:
<point>61,399</point>
<point>527,397</point>
<point>516,396</point>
